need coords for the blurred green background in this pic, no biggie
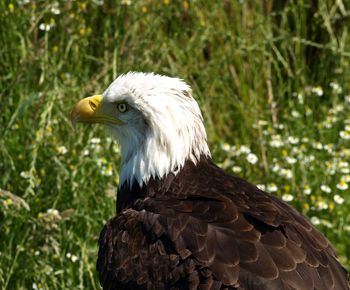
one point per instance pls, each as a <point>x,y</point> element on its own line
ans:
<point>272,79</point>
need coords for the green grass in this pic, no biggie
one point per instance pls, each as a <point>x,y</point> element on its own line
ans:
<point>255,68</point>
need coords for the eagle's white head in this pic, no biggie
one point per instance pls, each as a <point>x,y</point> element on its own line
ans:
<point>154,118</point>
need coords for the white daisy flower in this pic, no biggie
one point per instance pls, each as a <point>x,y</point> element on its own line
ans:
<point>345,170</point>
<point>295,114</point>
<point>346,178</point>
<point>342,185</point>
<point>321,204</point>
<point>53,212</point>
<point>317,145</point>
<point>252,158</point>
<point>287,197</point>
<point>325,188</point>
<point>44,26</point>
<point>262,123</point>
<point>271,187</point>
<point>236,169</point>
<point>344,135</point>
<point>317,91</point>
<point>336,87</point>
<point>291,160</point>
<point>276,168</point>
<point>25,174</point>
<point>293,140</point>
<point>244,149</point>
<point>315,220</point>
<point>261,186</point>
<point>95,140</point>
<point>276,141</point>
<point>74,258</point>
<point>287,173</point>
<point>338,199</point>
<point>55,9</point>
<point>307,190</point>
<point>61,150</point>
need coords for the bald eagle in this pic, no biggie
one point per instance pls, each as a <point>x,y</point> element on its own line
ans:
<point>184,223</point>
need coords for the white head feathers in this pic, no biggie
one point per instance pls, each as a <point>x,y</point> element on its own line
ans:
<point>163,126</point>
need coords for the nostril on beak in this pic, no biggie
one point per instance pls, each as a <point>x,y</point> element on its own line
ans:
<point>94,102</point>
<point>93,105</point>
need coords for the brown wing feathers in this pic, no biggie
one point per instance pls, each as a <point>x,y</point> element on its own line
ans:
<point>206,230</point>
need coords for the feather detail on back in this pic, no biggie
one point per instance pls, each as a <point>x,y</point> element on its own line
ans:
<point>204,229</point>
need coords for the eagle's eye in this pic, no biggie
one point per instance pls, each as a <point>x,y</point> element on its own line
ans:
<point>122,107</point>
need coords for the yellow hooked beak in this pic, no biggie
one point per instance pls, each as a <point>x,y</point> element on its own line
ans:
<point>88,111</point>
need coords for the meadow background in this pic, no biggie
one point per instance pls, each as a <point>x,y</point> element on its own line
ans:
<point>272,79</point>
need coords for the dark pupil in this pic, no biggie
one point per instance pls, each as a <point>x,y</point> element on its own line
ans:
<point>121,107</point>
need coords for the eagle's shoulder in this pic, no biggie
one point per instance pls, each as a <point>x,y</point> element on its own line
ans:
<point>207,229</point>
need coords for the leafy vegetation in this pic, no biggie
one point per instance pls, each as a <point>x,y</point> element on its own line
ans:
<point>271,77</point>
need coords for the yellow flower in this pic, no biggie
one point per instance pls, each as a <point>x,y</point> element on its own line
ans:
<point>202,23</point>
<point>108,171</point>
<point>38,134</point>
<point>82,6</point>
<point>116,178</point>
<point>306,206</point>
<point>11,7</point>
<point>103,160</point>
<point>185,5</point>
<point>82,31</point>
<point>40,215</point>
<point>308,111</point>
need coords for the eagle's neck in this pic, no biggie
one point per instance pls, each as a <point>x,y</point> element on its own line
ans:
<point>157,155</point>
<point>155,164</point>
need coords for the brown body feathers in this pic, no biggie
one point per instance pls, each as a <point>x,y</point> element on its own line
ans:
<point>204,229</point>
